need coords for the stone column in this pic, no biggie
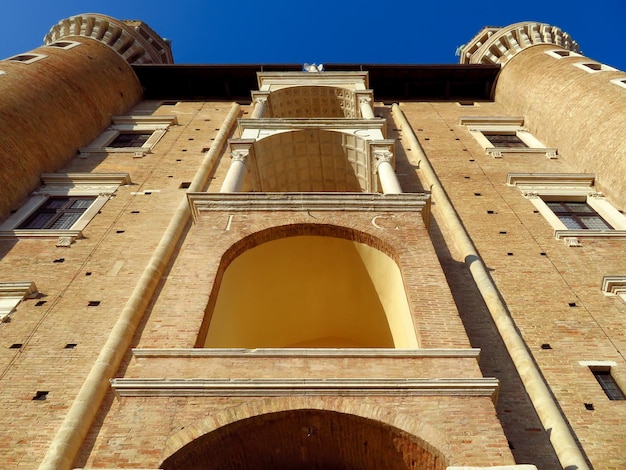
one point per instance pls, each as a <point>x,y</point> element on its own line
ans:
<point>236,171</point>
<point>365,103</point>
<point>259,107</point>
<point>386,174</point>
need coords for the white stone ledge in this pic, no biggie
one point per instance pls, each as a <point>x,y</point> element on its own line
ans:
<point>150,387</point>
<point>500,467</point>
<point>308,352</point>
<point>360,202</point>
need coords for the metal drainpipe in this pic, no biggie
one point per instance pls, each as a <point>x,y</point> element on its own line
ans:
<point>564,443</point>
<point>70,436</point>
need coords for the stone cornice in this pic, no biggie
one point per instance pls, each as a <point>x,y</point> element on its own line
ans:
<point>135,41</point>
<point>498,45</point>
<point>307,352</point>
<point>358,202</point>
<point>551,179</point>
<point>142,387</point>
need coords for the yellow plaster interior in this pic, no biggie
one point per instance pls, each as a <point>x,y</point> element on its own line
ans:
<point>312,291</point>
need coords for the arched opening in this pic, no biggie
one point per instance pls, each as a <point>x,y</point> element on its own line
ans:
<point>311,291</point>
<point>309,160</point>
<point>311,102</point>
<point>307,439</point>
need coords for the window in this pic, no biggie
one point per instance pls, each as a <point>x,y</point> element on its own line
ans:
<point>136,134</point>
<point>501,135</point>
<point>571,205</point>
<point>593,67</point>
<point>561,53</point>
<point>63,206</point>
<point>619,82</point>
<point>504,139</point>
<point>64,44</point>
<point>58,213</point>
<point>608,383</point>
<point>130,139</point>
<point>577,215</point>
<point>27,58</point>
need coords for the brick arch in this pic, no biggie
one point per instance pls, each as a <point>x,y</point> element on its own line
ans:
<point>314,229</point>
<point>358,427</point>
<point>279,232</point>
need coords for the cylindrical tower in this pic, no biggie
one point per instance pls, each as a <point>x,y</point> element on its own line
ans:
<point>571,102</point>
<point>59,97</point>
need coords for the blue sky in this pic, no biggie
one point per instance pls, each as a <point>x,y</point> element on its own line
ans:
<point>328,31</point>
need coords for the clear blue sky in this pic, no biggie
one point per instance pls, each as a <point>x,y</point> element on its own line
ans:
<point>328,31</point>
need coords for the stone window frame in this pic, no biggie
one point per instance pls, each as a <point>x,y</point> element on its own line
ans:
<point>33,58</point>
<point>621,82</point>
<point>12,293</point>
<point>586,67</point>
<point>611,368</point>
<point>555,53</point>
<point>100,185</point>
<point>68,44</point>
<point>157,125</point>
<point>479,125</point>
<point>614,286</point>
<point>574,186</point>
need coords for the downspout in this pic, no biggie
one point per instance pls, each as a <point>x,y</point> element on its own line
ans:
<point>561,437</point>
<point>70,436</point>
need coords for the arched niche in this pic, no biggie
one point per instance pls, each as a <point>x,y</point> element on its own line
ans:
<point>311,102</point>
<point>310,160</point>
<point>306,439</point>
<point>309,290</point>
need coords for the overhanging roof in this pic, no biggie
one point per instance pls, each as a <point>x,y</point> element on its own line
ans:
<point>390,82</point>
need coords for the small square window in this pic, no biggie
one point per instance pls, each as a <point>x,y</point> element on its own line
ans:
<point>27,58</point>
<point>608,383</point>
<point>64,44</point>
<point>593,67</point>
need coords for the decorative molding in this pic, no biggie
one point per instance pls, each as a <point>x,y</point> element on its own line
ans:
<point>135,41</point>
<point>378,353</point>
<point>585,180</point>
<point>516,121</point>
<point>145,387</point>
<point>498,45</point>
<point>76,179</point>
<point>12,293</point>
<point>357,202</point>
<point>614,285</point>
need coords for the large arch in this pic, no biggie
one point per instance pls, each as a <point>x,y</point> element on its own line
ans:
<point>308,285</point>
<point>305,438</point>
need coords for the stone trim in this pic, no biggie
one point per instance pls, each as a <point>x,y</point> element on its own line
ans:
<point>12,293</point>
<point>135,41</point>
<point>499,467</point>
<point>358,202</point>
<point>494,45</point>
<point>314,352</point>
<point>479,125</point>
<point>157,125</point>
<point>142,387</point>
<point>614,286</point>
<point>574,186</point>
<point>100,185</point>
